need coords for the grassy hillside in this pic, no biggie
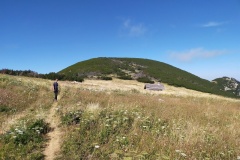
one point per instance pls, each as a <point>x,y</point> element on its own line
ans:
<point>120,122</point>
<point>135,68</point>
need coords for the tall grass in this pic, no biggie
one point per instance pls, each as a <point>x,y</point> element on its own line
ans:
<point>22,129</point>
<point>142,126</point>
<point>116,124</point>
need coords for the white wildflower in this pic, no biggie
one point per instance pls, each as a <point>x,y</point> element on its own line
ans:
<point>97,146</point>
<point>38,131</point>
<point>183,154</point>
<point>178,151</point>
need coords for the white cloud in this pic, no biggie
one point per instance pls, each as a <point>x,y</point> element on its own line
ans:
<point>132,29</point>
<point>196,53</point>
<point>213,24</point>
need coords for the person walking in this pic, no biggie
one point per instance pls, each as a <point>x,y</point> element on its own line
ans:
<point>55,89</point>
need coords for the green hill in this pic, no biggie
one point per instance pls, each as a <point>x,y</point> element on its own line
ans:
<point>144,70</point>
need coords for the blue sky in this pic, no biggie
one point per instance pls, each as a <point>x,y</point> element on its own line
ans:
<point>198,36</point>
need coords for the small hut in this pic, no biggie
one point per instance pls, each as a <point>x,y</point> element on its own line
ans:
<point>155,87</point>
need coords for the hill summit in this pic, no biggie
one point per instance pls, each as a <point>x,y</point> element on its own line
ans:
<point>143,70</point>
<point>229,84</point>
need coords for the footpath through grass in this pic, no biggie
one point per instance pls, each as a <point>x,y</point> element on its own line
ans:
<point>117,124</point>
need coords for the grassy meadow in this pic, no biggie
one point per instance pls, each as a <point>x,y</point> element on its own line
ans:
<point>116,120</point>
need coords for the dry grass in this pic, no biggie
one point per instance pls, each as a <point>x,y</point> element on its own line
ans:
<point>201,125</point>
<point>176,123</point>
<point>22,96</point>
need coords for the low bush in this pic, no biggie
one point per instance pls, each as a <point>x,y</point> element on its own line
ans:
<point>145,80</point>
<point>25,140</point>
<point>125,77</point>
<point>4,108</point>
<point>71,117</point>
<point>106,78</point>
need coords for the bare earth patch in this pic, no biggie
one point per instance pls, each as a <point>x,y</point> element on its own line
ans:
<point>54,143</point>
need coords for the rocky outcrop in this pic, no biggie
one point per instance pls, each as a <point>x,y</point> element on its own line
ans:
<point>229,84</point>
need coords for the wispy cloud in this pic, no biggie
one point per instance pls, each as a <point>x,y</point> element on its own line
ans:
<point>213,24</point>
<point>196,53</point>
<point>133,29</point>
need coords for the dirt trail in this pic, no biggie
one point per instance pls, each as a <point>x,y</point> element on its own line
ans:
<point>53,145</point>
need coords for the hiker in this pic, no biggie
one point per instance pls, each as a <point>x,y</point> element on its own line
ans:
<point>55,89</point>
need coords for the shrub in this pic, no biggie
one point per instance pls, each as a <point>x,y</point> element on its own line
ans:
<point>4,108</point>
<point>25,140</point>
<point>22,135</point>
<point>145,80</point>
<point>106,78</point>
<point>71,117</point>
<point>125,77</point>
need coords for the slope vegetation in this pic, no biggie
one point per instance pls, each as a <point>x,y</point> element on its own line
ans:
<point>228,84</point>
<point>142,69</point>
